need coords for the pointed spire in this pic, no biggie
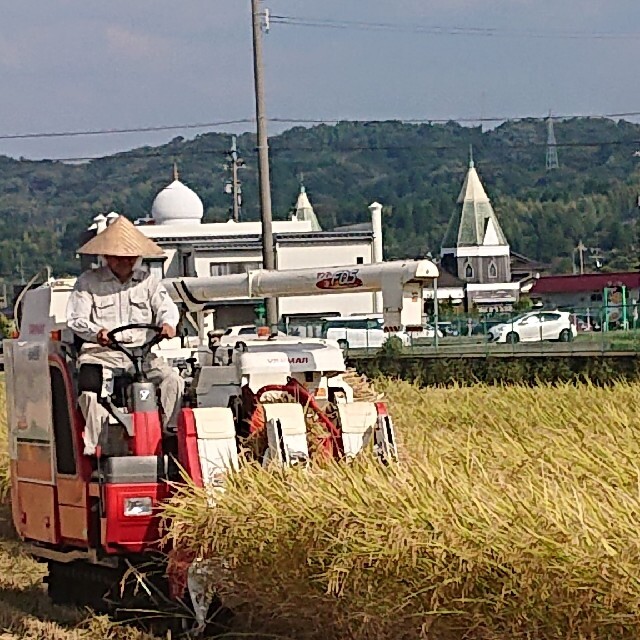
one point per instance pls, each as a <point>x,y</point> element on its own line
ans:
<point>301,181</point>
<point>175,171</point>
<point>304,210</point>
<point>474,222</point>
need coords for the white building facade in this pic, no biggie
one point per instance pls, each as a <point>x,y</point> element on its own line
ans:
<point>194,248</point>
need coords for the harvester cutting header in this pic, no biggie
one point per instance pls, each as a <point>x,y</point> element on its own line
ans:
<point>106,405</point>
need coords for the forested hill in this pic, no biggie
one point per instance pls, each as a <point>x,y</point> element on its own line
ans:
<point>416,171</point>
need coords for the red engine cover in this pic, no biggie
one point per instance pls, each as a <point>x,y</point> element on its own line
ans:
<point>188,455</point>
<point>131,533</point>
<point>147,439</point>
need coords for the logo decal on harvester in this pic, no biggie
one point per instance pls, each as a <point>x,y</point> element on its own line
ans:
<point>144,394</point>
<point>344,279</point>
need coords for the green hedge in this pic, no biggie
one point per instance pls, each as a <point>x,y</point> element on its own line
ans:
<point>491,370</point>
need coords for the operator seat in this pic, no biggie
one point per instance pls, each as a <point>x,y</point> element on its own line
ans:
<point>90,378</point>
<point>113,437</point>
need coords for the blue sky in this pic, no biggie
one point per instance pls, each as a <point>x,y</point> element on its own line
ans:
<point>87,64</point>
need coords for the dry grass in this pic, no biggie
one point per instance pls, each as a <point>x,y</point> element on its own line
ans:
<point>27,613</point>
<point>514,515</point>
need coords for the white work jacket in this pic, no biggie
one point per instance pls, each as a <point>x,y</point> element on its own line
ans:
<point>100,301</point>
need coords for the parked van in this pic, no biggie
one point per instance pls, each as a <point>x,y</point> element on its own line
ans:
<point>365,331</point>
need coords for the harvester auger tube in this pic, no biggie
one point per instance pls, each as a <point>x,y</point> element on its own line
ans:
<point>399,282</point>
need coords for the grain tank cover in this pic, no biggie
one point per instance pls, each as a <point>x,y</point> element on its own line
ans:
<point>44,309</point>
<point>298,355</point>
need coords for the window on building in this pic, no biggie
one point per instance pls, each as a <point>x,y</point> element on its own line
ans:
<point>359,260</point>
<point>493,270</point>
<point>229,268</point>
<point>186,265</point>
<point>468,271</point>
<point>596,297</point>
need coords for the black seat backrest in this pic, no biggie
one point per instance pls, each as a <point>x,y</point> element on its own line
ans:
<point>90,378</point>
<point>121,383</point>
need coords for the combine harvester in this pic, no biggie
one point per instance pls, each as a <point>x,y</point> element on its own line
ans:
<point>94,520</point>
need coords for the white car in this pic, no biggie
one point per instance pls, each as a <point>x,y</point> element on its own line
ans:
<point>535,326</point>
<point>366,331</point>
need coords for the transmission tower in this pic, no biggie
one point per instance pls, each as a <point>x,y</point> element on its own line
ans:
<point>552,149</point>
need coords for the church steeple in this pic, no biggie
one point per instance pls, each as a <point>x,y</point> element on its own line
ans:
<point>474,223</point>
<point>476,250</point>
<point>304,210</point>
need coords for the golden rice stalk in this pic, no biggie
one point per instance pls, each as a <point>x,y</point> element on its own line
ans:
<point>363,389</point>
<point>515,515</point>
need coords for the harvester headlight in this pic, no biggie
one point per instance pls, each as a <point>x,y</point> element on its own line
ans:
<point>138,506</point>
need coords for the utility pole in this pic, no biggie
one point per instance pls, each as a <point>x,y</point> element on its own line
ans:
<point>234,187</point>
<point>268,256</point>
<point>581,248</point>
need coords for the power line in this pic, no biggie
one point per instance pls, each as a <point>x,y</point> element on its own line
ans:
<point>568,116</point>
<point>529,145</point>
<point>106,132</point>
<point>275,148</point>
<point>210,125</point>
<point>369,26</point>
<point>446,30</point>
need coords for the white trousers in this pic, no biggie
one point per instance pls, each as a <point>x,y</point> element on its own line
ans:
<point>157,370</point>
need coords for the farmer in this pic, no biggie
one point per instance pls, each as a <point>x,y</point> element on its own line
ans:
<point>114,295</point>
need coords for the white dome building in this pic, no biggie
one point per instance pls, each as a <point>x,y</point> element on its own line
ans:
<point>194,248</point>
<point>177,204</point>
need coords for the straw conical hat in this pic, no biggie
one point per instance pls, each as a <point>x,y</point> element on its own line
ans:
<point>121,238</point>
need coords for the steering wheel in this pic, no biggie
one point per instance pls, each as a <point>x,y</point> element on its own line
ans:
<point>136,359</point>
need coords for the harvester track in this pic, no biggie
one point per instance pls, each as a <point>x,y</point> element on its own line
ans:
<point>135,594</point>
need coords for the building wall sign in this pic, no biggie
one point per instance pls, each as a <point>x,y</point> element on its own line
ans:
<point>495,295</point>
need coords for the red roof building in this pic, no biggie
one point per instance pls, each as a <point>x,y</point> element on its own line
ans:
<point>584,283</point>
<point>584,294</point>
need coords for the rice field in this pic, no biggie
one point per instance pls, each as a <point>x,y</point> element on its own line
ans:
<point>514,514</point>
